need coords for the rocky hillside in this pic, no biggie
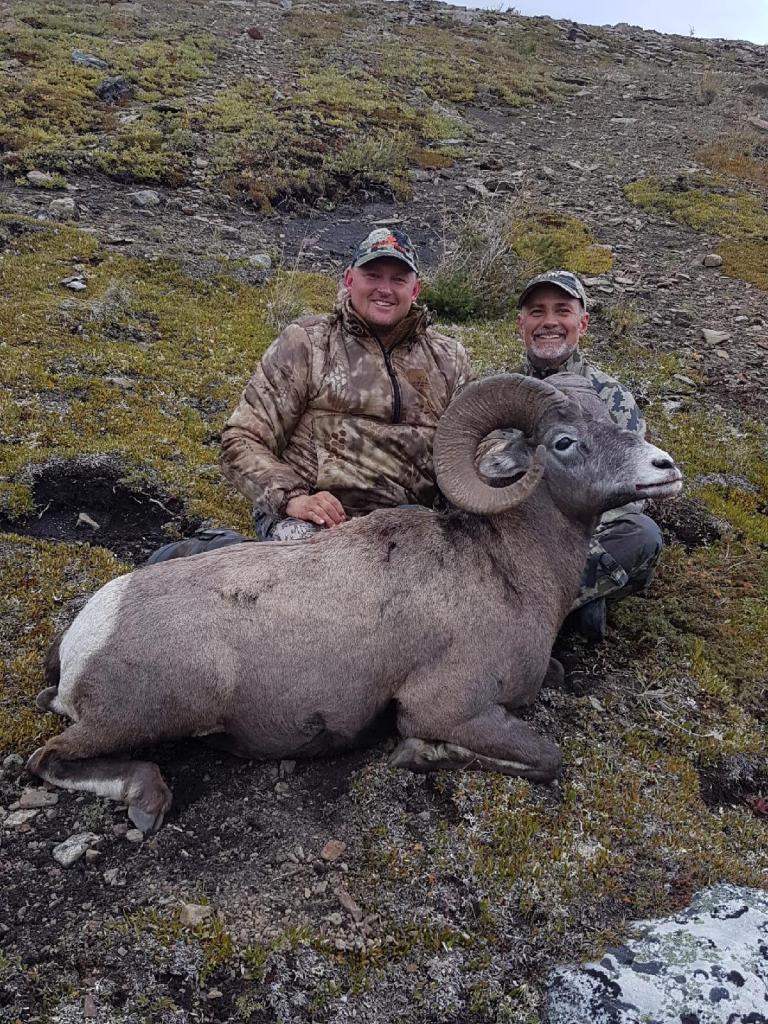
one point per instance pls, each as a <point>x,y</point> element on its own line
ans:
<point>179,180</point>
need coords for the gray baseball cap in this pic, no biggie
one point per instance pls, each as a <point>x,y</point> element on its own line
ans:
<point>562,279</point>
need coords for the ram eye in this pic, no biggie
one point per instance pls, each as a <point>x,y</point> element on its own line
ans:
<point>562,444</point>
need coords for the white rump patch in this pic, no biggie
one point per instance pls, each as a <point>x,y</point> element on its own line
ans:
<point>89,633</point>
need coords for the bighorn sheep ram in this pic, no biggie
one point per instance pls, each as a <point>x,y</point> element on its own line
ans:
<point>291,649</point>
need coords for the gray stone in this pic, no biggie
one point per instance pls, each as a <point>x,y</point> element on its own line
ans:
<point>22,817</point>
<point>41,180</point>
<point>64,209</point>
<point>229,232</point>
<point>38,798</point>
<point>260,261</point>
<point>712,260</point>
<point>686,967</point>
<point>13,761</point>
<point>144,197</point>
<point>89,60</point>
<point>134,835</point>
<point>193,914</point>
<point>75,284</point>
<point>714,337</point>
<point>72,849</point>
<point>115,89</point>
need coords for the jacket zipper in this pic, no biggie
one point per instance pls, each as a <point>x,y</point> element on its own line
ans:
<point>396,399</point>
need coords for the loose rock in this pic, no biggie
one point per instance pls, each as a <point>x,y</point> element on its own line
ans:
<point>64,209</point>
<point>38,798</point>
<point>193,914</point>
<point>18,818</point>
<point>145,197</point>
<point>41,180</point>
<point>349,905</point>
<point>89,60</point>
<point>714,337</point>
<point>333,849</point>
<point>116,89</point>
<point>261,261</point>
<point>72,849</point>
<point>712,260</point>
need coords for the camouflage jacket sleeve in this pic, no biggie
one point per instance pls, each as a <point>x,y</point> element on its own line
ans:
<point>464,372</point>
<point>622,406</point>
<point>624,410</point>
<point>257,432</point>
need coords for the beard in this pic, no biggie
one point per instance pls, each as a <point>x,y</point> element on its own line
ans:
<point>550,351</point>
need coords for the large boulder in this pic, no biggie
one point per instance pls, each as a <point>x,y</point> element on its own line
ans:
<point>705,965</point>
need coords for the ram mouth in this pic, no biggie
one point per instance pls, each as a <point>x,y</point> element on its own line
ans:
<point>663,488</point>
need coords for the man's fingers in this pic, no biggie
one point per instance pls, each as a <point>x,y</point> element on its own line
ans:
<point>330,508</point>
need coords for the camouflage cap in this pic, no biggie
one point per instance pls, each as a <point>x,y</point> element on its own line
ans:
<point>562,279</point>
<point>386,242</point>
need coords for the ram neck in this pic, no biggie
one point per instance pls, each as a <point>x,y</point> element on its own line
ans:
<point>539,539</point>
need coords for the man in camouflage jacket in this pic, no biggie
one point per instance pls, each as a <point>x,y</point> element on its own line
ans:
<point>626,544</point>
<point>339,417</point>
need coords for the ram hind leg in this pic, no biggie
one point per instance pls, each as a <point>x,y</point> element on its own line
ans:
<point>68,760</point>
<point>493,740</point>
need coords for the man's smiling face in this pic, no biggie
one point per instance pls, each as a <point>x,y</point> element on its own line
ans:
<point>382,291</point>
<point>550,324</point>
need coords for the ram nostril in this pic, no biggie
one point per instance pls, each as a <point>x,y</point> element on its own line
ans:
<point>663,463</point>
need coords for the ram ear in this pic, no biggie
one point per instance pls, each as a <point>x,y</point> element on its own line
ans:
<point>507,458</point>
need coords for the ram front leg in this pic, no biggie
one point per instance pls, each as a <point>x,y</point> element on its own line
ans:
<point>493,740</point>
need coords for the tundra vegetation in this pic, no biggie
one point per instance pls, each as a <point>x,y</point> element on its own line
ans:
<point>466,873</point>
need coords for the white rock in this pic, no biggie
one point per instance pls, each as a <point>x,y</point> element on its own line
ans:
<point>714,337</point>
<point>84,519</point>
<point>144,197</point>
<point>134,835</point>
<point>261,261</point>
<point>712,260</point>
<point>17,818</point>
<point>72,849</point>
<point>40,179</point>
<point>193,914</point>
<point>64,209</point>
<point>706,963</point>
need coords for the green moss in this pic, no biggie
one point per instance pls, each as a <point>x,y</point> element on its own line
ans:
<point>707,206</point>
<point>37,581</point>
<point>740,218</point>
<point>544,240</point>
<point>183,380</point>
<point>51,115</point>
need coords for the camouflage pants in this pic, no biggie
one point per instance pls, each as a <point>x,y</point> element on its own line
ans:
<point>622,558</point>
<point>269,527</point>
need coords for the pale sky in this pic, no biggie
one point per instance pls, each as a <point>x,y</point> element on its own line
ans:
<point>739,19</point>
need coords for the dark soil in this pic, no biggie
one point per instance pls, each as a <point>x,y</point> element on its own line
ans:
<point>130,522</point>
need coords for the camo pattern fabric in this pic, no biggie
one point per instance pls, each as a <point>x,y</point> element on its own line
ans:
<point>628,567</point>
<point>330,409</point>
<point>622,407</point>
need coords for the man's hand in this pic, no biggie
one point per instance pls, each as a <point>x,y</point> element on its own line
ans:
<point>321,508</point>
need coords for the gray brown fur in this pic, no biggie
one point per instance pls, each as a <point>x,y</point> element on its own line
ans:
<point>284,650</point>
